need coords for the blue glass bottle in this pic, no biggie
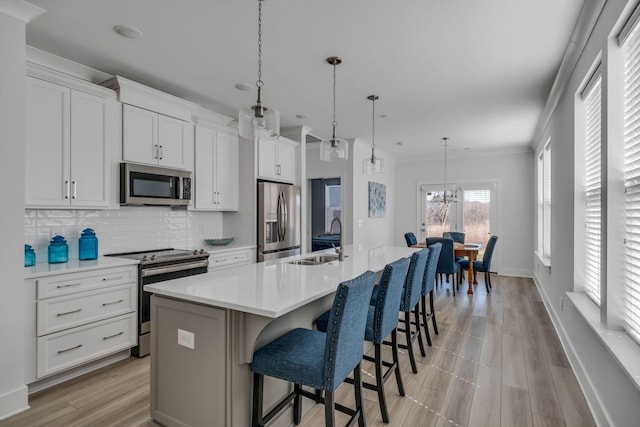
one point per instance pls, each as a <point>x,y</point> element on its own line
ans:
<point>58,250</point>
<point>29,256</point>
<point>88,245</point>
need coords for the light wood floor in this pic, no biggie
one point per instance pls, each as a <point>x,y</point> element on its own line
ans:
<point>496,362</point>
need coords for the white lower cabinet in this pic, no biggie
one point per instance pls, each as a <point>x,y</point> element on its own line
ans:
<point>230,258</point>
<point>83,316</point>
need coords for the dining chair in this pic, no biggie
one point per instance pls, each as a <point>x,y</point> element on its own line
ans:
<point>382,321</point>
<point>409,305</point>
<point>321,360</point>
<point>456,236</point>
<point>447,263</point>
<point>428,283</point>
<point>411,239</point>
<point>483,265</point>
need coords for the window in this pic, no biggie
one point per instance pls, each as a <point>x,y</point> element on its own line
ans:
<point>631,49</point>
<point>544,202</point>
<point>592,158</point>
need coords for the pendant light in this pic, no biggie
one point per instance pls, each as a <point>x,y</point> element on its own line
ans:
<point>334,149</point>
<point>445,196</point>
<point>259,119</point>
<point>373,165</point>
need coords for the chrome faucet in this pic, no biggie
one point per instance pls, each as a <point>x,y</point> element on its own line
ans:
<point>340,251</point>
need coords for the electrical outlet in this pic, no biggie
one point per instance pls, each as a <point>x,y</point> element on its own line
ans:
<point>186,339</point>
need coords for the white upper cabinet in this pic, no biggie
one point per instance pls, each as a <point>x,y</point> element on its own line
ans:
<point>156,127</point>
<point>68,137</point>
<point>276,159</point>
<point>216,169</point>
<point>152,138</point>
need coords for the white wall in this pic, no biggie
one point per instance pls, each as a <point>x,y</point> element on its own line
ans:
<point>611,393</point>
<point>372,231</point>
<point>511,171</point>
<point>13,391</point>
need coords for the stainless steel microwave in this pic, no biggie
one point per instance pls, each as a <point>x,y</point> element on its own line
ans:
<point>154,185</point>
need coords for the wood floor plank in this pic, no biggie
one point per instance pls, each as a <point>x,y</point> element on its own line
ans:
<point>496,362</point>
<point>515,407</point>
<point>572,402</point>
<point>486,398</point>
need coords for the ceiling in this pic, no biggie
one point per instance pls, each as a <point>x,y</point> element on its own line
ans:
<point>478,72</point>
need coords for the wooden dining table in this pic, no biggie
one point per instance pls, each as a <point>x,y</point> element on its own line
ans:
<point>468,250</point>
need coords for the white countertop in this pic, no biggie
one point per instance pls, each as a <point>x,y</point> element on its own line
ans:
<point>274,288</point>
<point>233,246</point>
<point>42,269</point>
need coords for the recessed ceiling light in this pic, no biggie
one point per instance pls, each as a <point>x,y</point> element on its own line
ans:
<point>467,148</point>
<point>400,143</point>
<point>302,116</point>
<point>127,31</point>
<point>242,86</point>
<point>382,116</point>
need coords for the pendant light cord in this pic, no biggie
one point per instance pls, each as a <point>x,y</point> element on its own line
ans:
<point>445,169</point>
<point>259,81</point>
<point>334,123</point>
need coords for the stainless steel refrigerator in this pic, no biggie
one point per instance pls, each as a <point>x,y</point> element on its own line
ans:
<point>278,220</point>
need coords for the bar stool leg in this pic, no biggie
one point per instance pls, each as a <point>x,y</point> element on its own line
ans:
<point>416,316</point>
<point>258,385</point>
<point>329,409</point>
<point>394,353</point>
<point>425,323</point>
<point>357,384</point>
<point>297,407</point>
<point>407,333</point>
<point>433,312</point>
<point>382,400</point>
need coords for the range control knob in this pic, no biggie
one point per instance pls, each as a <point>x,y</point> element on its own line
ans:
<point>195,252</point>
<point>144,257</point>
<point>201,251</point>
<point>153,257</point>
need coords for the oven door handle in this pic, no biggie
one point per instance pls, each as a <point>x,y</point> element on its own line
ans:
<point>154,271</point>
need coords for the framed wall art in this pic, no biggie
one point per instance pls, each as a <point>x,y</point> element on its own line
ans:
<point>377,200</point>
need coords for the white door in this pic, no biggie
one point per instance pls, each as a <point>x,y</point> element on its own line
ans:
<point>436,217</point>
<point>89,150</point>
<point>172,138</point>
<point>226,171</point>
<point>47,144</point>
<point>139,135</point>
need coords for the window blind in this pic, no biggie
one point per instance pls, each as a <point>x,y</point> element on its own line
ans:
<point>546,246</point>
<point>631,50</point>
<point>593,188</point>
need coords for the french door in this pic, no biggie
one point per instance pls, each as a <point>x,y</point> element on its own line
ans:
<point>474,213</point>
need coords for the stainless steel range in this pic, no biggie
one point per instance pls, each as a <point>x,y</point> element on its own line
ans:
<point>158,266</point>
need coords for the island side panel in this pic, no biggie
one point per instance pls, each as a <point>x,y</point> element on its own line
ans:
<point>190,349</point>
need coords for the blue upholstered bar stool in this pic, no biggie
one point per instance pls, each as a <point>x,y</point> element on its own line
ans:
<point>483,265</point>
<point>446,263</point>
<point>382,320</point>
<point>410,238</point>
<point>318,359</point>
<point>428,282</point>
<point>409,304</point>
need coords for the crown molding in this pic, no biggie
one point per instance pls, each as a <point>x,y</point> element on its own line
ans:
<point>21,10</point>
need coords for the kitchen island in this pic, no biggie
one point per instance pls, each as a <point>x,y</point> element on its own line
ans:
<point>205,329</point>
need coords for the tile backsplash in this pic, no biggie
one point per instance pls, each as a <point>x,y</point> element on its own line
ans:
<point>129,228</point>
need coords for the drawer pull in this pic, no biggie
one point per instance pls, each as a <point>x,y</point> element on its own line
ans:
<point>104,279</point>
<point>68,285</point>
<point>113,336</point>
<point>111,303</point>
<point>69,312</point>
<point>69,349</point>
<point>221,260</point>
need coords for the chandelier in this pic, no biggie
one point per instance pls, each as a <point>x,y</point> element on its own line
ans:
<point>259,119</point>
<point>373,165</point>
<point>334,149</point>
<point>445,196</point>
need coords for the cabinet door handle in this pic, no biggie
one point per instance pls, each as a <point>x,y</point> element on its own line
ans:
<point>155,151</point>
<point>75,189</point>
<point>69,312</point>
<point>220,260</point>
<point>161,152</point>
<point>113,336</point>
<point>69,349</point>
<point>104,304</point>
<point>67,285</point>
<point>66,189</point>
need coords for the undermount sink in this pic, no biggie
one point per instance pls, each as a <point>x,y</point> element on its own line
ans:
<point>316,259</point>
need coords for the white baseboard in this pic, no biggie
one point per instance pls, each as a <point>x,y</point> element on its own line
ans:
<point>14,402</point>
<point>510,272</point>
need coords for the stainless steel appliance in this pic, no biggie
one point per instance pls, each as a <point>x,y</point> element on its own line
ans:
<point>157,266</point>
<point>278,220</point>
<point>154,185</point>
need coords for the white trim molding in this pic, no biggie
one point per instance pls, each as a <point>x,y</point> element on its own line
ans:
<point>13,402</point>
<point>21,10</point>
